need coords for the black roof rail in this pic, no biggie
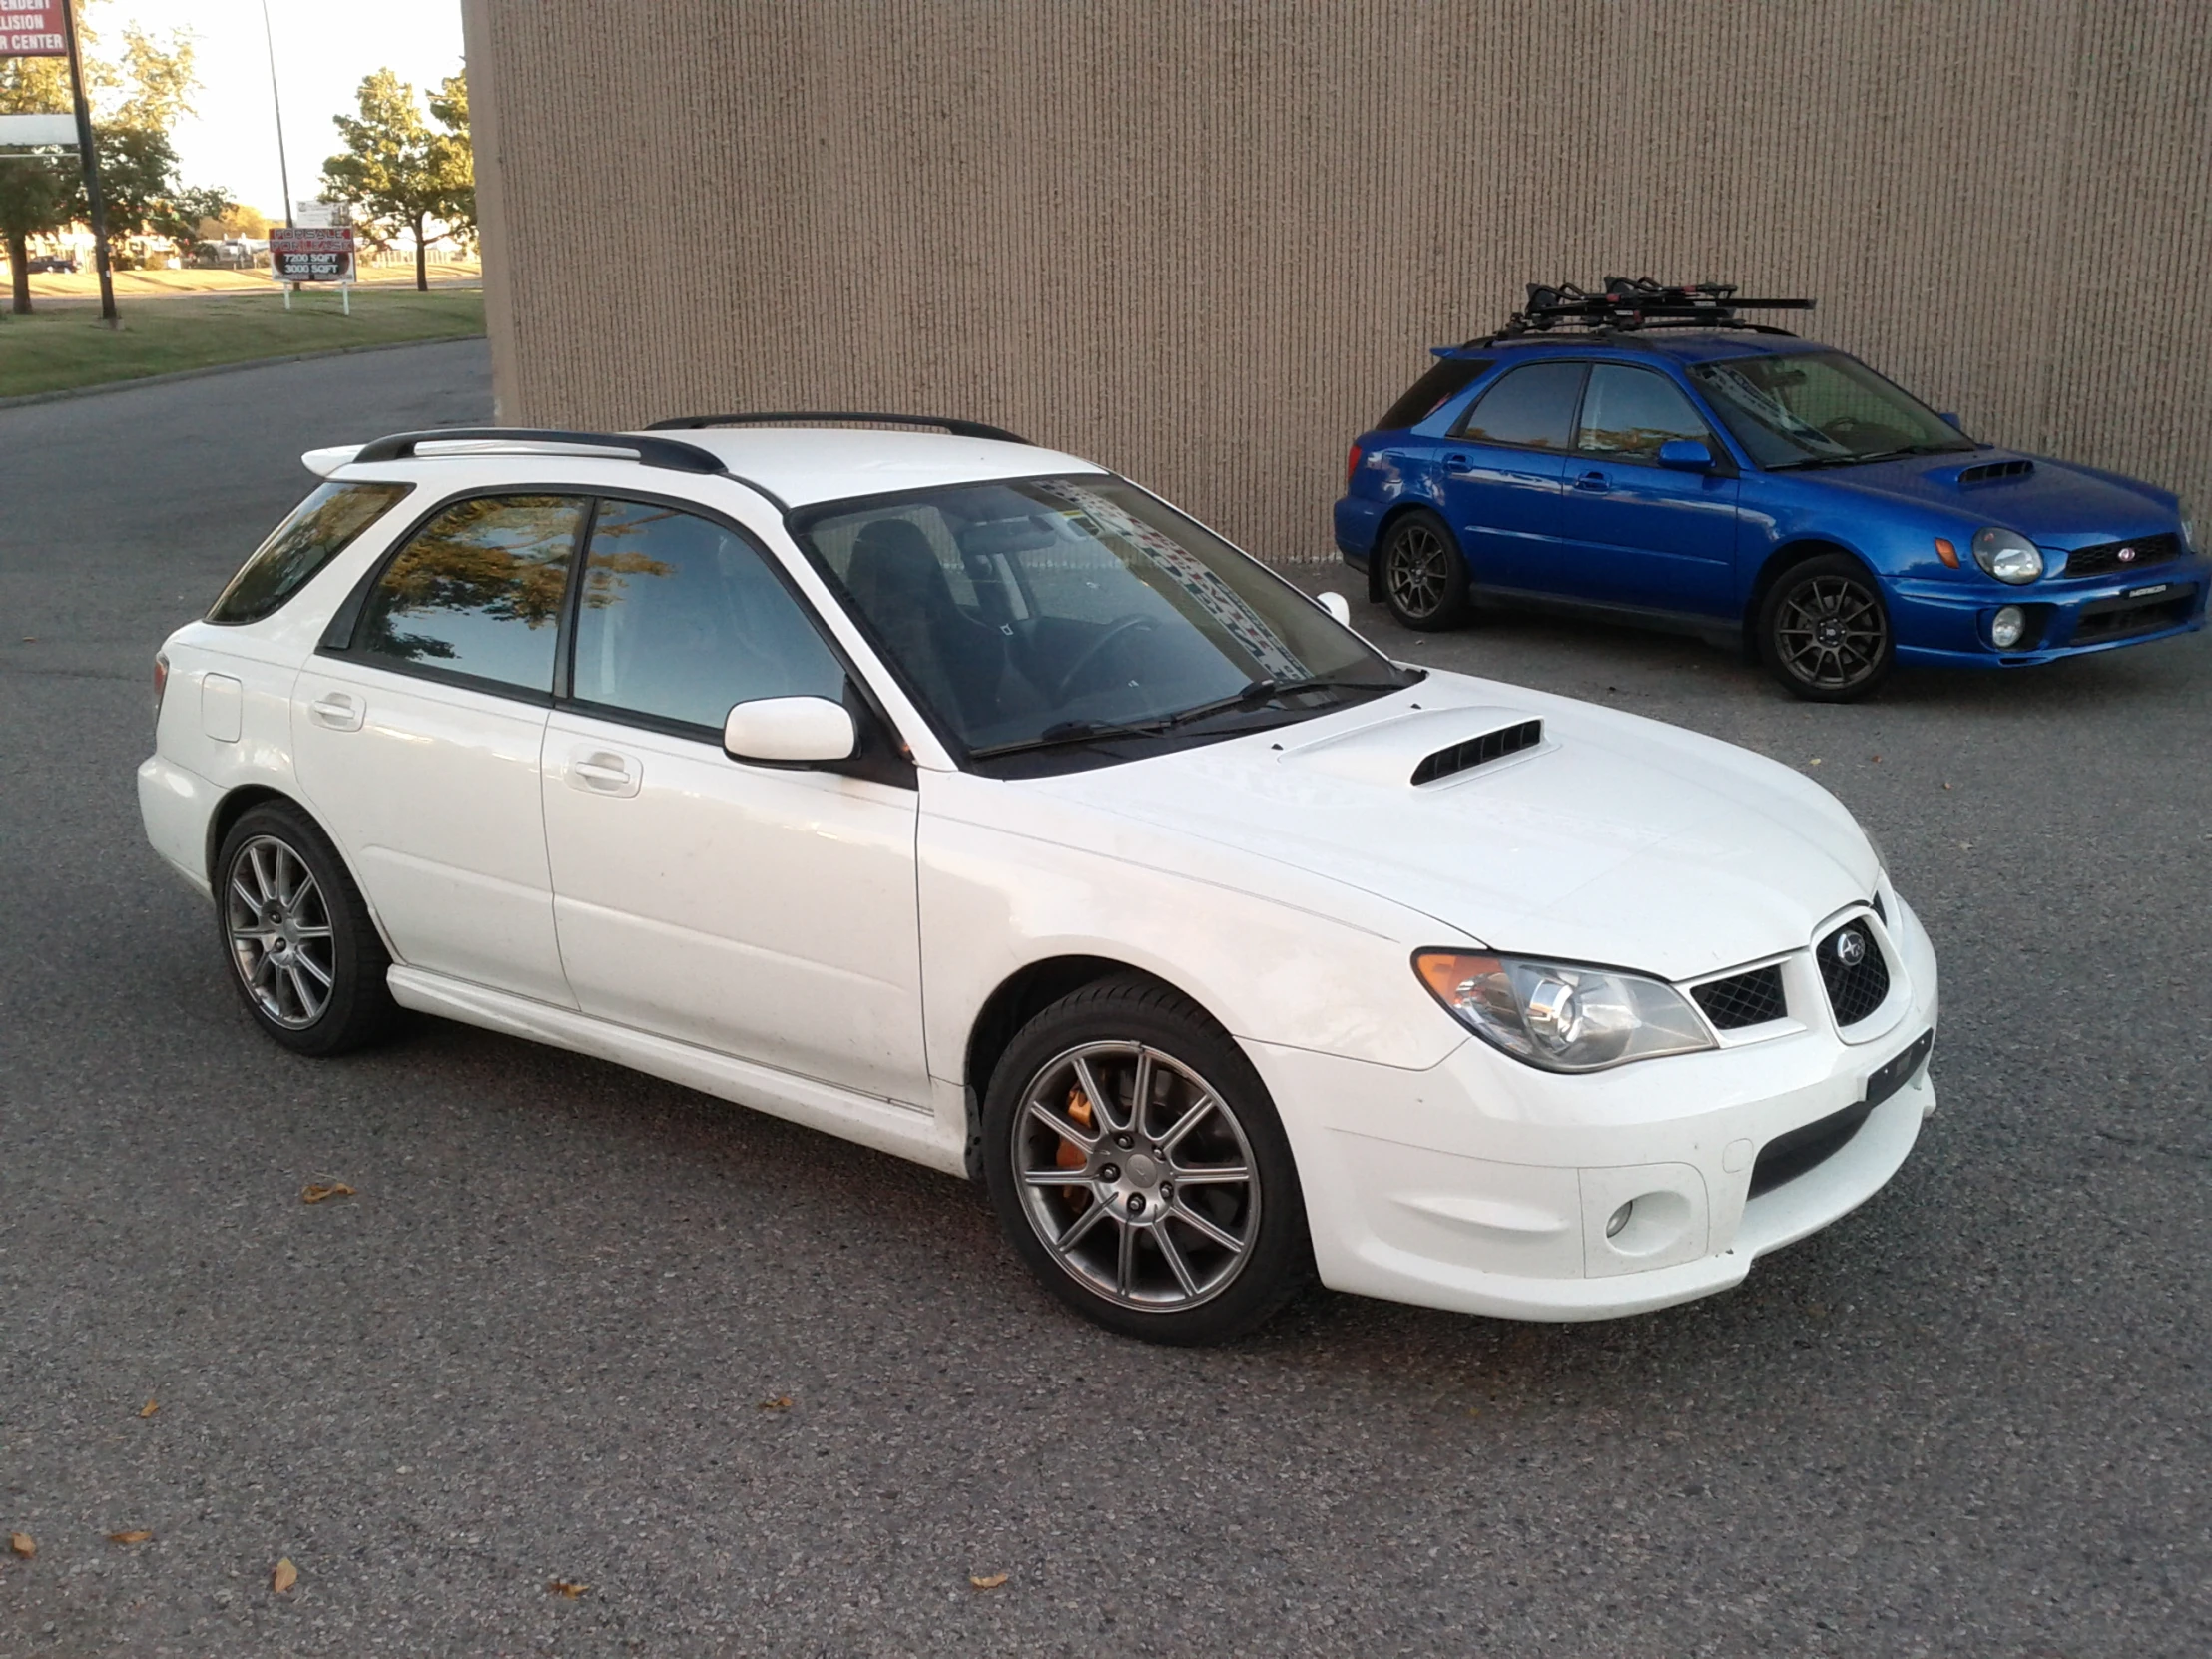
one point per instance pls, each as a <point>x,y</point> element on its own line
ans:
<point>667,453</point>
<point>768,418</point>
<point>1634,304</point>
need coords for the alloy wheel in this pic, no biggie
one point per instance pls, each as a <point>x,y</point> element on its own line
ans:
<point>1419,574</point>
<point>1831,633</point>
<point>279,927</point>
<point>1137,1176</point>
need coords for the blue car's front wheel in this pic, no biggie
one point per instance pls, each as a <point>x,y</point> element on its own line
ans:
<point>1825,632</point>
<point>1425,579</point>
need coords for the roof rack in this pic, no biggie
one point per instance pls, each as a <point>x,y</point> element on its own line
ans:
<point>957,428</point>
<point>1633,304</point>
<point>669,453</point>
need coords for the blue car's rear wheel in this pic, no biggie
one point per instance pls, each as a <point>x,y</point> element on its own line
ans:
<point>1825,632</point>
<point>1424,578</point>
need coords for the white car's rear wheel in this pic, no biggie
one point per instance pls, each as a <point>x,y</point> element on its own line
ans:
<point>304,953</point>
<point>1139,1167</point>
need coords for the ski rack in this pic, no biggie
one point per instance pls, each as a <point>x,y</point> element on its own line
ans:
<point>1632,303</point>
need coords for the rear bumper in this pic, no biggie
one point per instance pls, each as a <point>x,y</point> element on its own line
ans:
<point>1483,1187</point>
<point>1938,624</point>
<point>176,805</point>
<point>1356,524</point>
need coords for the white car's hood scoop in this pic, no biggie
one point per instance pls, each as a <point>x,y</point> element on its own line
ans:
<point>1423,748</point>
<point>1548,825</point>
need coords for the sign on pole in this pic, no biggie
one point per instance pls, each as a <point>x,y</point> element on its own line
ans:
<point>34,131</point>
<point>32,31</point>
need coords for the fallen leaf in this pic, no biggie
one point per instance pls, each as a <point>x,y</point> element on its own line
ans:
<point>149,1407</point>
<point>129,1538</point>
<point>1816,761</point>
<point>314,1192</point>
<point>1474,1410</point>
<point>781,1403</point>
<point>23,1544</point>
<point>1876,759</point>
<point>990,1583</point>
<point>284,1577</point>
<point>563,1587</point>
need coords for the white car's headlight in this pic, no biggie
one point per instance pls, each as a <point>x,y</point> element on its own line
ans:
<point>1560,1016</point>
<point>2007,555</point>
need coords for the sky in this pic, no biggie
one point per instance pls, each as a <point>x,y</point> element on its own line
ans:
<point>324,49</point>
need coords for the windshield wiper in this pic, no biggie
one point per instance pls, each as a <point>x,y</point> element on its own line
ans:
<point>1071,732</point>
<point>1812,461</point>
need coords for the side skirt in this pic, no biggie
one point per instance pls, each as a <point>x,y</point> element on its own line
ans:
<point>1729,635</point>
<point>887,1126</point>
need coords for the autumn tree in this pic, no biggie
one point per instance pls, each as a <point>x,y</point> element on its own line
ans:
<point>397,170</point>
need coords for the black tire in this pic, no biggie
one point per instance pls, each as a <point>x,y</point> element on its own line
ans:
<point>305,957</point>
<point>1100,1183</point>
<point>1424,574</point>
<point>1824,630</point>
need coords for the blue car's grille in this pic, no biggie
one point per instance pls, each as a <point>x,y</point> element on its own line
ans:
<point>2106,557</point>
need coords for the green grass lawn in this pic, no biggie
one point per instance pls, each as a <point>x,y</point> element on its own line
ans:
<point>64,345</point>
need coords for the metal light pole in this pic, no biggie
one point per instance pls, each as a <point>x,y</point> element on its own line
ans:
<point>91,158</point>
<point>284,167</point>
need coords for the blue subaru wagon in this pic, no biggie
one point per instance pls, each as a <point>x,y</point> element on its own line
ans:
<point>1647,454</point>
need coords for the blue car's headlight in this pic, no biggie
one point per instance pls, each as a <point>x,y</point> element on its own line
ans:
<point>2188,525</point>
<point>2007,555</point>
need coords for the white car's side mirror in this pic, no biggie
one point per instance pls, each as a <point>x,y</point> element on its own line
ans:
<point>1336,606</point>
<point>791,729</point>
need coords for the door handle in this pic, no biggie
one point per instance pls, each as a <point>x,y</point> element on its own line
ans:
<point>338,710</point>
<point>1595,482</point>
<point>1456,463</point>
<point>603,772</point>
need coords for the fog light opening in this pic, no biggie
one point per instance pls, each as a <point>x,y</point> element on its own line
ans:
<point>2007,627</point>
<point>1619,1219</point>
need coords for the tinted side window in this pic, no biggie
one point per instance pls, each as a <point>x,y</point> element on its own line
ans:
<point>679,618</point>
<point>316,532</point>
<point>478,590</point>
<point>1532,408</point>
<point>1630,412</point>
<point>1446,380</point>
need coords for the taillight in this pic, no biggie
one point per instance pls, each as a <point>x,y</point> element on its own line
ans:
<point>1351,465</point>
<point>160,683</point>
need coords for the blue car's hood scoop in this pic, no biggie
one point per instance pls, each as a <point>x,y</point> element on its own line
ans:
<point>2057,503</point>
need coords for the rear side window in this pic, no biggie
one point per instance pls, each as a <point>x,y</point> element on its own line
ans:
<point>1532,408</point>
<point>317,531</point>
<point>1446,380</point>
<point>479,591</point>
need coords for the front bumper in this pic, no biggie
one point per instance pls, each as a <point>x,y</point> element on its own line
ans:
<point>1484,1187</point>
<point>1940,623</point>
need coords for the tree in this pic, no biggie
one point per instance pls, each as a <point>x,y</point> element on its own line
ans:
<point>397,170</point>
<point>450,108</point>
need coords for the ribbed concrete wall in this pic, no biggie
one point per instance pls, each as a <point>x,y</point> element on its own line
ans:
<point>1207,242</point>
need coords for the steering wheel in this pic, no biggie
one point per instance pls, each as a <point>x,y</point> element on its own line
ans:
<point>1099,647</point>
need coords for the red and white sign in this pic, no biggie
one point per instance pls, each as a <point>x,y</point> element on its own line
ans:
<point>32,31</point>
<point>312,255</point>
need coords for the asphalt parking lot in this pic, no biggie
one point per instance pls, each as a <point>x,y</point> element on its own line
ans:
<point>765,1393</point>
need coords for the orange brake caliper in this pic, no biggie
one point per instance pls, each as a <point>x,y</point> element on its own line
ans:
<point>1071,1156</point>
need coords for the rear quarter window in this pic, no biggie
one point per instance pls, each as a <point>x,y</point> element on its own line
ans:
<point>1447,378</point>
<point>317,531</point>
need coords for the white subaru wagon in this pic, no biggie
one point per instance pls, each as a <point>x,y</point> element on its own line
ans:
<point>965,800</point>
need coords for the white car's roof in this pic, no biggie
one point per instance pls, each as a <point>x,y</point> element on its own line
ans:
<point>804,464</point>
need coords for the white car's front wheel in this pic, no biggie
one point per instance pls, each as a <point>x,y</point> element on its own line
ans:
<point>1138,1166</point>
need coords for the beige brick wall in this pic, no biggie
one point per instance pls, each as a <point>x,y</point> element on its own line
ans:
<point>1206,244</point>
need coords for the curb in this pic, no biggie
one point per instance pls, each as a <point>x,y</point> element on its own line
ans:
<point>68,392</point>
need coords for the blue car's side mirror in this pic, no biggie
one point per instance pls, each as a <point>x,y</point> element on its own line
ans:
<point>1686,455</point>
<point>1949,417</point>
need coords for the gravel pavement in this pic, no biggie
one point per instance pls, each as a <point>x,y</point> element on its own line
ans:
<point>763,1392</point>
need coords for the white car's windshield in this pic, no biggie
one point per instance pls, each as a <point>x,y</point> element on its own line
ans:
<point>1056,613</point>
<point>1821,408</point>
